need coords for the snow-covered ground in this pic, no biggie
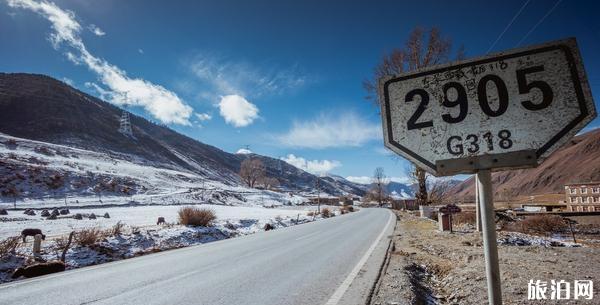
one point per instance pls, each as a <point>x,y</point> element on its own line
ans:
<point>142,216</point>
<point>133,192</point>
<point>48,174</point>
<point>140,235</point>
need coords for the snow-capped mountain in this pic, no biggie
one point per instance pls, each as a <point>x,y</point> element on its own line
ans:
<point>47,123</point>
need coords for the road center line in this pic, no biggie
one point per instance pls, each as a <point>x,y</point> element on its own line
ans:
<point>339,292</point>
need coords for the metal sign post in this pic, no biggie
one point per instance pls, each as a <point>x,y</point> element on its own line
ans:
<point>490,249</point>
<point>504,111</point>
<point>477,208</point>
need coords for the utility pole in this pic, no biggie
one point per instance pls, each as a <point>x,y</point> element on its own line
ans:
<point>318,186</point>
<point>379,192</point>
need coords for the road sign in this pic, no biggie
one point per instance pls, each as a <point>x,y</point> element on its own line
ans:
<point>450,209</point>
<point>507,110</point>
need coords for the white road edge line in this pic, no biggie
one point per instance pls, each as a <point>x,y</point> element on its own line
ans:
<point>339,292</point>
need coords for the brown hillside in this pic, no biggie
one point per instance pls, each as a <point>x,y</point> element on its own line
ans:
<point>577,161</point>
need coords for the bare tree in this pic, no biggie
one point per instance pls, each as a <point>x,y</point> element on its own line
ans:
<point>11,190</point>
<point>252,171</point>
<point>438,191</point>
<point>419,177</point>
<point>379,185</point>
<point>423,48</point>
<point>269,182</point>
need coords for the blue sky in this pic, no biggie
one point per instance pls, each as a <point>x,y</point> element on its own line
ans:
<point>283,77</point>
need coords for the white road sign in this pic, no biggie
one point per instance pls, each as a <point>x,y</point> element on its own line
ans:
<point>507,110</point>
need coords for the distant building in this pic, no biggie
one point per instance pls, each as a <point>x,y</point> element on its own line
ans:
<point>583,197</point>
<point>406,204</point>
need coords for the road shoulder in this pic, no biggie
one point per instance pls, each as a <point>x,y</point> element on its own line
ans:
<point>361,288</point>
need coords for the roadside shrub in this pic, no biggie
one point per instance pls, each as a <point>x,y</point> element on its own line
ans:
<point>117,229</point>
<point>464,218</point>
<point>543,224</point>
<point>311,213</point>
<point>60,243</point>
<point>88,237</point>
<point>326,213</point>
<point>346,209</point>
<point>192,216</point>
<point>9,245</point>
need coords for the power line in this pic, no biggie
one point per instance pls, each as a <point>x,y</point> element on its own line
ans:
<point>508,26</point>
<point>539,22</point>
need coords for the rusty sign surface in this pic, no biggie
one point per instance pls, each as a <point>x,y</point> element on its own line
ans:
<point>507,110</point>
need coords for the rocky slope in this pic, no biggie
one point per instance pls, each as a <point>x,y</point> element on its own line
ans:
<point>578,161</point>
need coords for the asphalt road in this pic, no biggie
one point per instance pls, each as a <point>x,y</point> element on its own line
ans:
<point>332,261</point>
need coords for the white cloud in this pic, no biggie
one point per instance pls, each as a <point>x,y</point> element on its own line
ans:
<point>360,179</point>
<point>244,151</point>
<point>326,131</point>
<point>203,116</point>
<point>226,77</point>
<point>369,180</point>
<point>237,111</point>
<point>68,81</point>
<point>96,30</point>
<point>404,180</point>
<point>163,104</point>
<point>312,166</point>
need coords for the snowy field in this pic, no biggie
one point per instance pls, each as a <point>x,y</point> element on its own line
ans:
<point>29,165</point>
<point>142,216</point>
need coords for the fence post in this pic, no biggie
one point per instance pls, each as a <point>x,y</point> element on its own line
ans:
<point>37,244</point>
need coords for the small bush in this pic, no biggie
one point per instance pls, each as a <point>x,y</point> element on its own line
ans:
<point>542,224</point>
<point>311,213</point>
<point>117,229</point>
<point>346,209</point>
<point>326,213</point>
<point>192,216</point>
<point>9,245</point>
<point>60,243</point>
<point>88,237</point>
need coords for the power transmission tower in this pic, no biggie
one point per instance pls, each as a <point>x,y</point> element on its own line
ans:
<point>125,125</point>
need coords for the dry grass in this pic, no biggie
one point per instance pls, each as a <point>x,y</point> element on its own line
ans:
<point>311,213</point>
<point>117,229</point>
<point>464,218</point>
<point>88,237</point>
<point>326,213</point>
<point>192,216</point>
<point>540,224</point>
<point>346,209</point>
<point>9,245</point>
